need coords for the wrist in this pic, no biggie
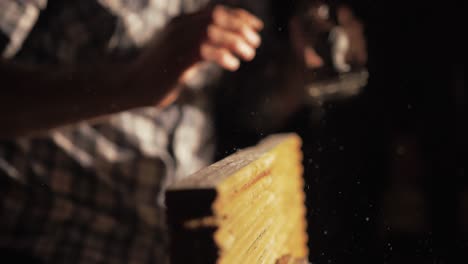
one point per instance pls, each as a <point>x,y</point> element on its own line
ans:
<point>154,79</point>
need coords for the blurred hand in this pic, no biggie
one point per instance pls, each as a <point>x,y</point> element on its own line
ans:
<point>230,34</point>
<point>346,37</point>
<point>357,53</point>
<point>216,34</point>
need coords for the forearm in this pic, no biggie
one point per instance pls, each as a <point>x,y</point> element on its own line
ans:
<point>38,99</point>
<point>34,99</point>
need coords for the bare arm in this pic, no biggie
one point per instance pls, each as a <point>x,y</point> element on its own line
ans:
<point>34,99</point>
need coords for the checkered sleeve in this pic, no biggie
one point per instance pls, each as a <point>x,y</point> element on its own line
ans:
<point>65,213</point>
<point>17,18</point>
<point>90,193</point>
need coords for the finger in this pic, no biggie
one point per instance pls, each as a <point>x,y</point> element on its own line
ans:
<point>221,56</point>
<point>252,20</point>
<point>224,19</point>
<point>233,42</point>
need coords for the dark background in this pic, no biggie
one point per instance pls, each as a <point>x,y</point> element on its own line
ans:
<point>385,171</point>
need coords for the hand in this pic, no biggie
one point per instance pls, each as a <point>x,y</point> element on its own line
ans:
<point>231,34</point>
<point>355,30</point>
<point>347,38</point>
<point>217,34</point>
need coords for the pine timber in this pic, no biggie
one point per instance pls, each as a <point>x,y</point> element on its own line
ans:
<point>246,208</point>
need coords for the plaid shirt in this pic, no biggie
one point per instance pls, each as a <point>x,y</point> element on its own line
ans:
<point>91,193</point>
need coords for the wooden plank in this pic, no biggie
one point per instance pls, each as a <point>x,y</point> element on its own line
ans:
<point>247,208</point>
